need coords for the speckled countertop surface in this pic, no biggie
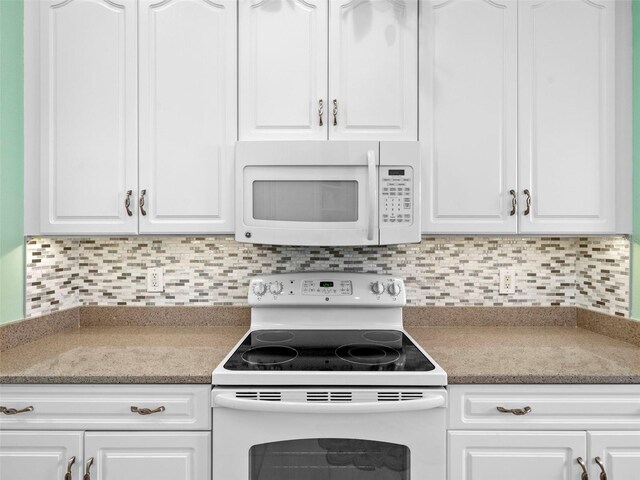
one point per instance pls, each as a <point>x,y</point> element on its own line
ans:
<point>159,354</point>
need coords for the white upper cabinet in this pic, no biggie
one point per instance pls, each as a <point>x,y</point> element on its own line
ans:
<point>373,69</point>
<point>88,94</point>
<point>567,115</point>
<point>468,115</point>
<point>283,69</point>
<point>187,115</point>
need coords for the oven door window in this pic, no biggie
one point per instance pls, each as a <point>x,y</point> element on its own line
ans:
<point>329,459</point>
<point>305,200</point>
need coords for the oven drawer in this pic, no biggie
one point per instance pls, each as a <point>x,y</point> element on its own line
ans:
<point>106,407</point>
<point>541,407</point>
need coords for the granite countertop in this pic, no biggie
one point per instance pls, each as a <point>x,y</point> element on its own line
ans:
<point>161,354</point>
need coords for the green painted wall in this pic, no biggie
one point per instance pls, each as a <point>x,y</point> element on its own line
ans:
<point>11,161</point>
<point>635,244</point>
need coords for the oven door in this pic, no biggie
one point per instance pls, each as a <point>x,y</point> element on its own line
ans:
<point>307,193</point>
<point>331,434</point>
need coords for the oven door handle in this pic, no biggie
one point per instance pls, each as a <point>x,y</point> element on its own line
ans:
<point>373,192</point>
<point>228,400</point>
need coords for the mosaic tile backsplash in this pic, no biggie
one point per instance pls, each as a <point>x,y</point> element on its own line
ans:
<point>443,271</point>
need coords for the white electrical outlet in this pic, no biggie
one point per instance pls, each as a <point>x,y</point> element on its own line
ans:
<point>507,281</point>
<point>155,280</point>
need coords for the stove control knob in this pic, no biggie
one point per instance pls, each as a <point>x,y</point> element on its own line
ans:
<point>259,288</point>
<point>276,288</point>
<point>377,288</point>
<point>394,289</point>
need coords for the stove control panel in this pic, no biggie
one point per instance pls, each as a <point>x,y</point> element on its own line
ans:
<point>327,288</point>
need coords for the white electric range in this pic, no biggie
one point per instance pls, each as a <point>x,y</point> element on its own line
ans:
<point>327,385</point>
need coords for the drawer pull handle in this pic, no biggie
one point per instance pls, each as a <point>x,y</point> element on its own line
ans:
<point>67,476</point>
<point>87,471</point>
<point>515,411</point>
<point>147,411</point>
<point>14,411</point>
<point>585,475</point>
<point>603,473</point>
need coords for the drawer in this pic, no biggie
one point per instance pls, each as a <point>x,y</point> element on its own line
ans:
<point>553,407</point>
<point>106,407</point>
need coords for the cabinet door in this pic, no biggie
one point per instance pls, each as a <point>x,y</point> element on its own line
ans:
<point>619,453</point>
<point>468,115</point>
<point>373,69</point>
<point>283,69</point>
<point>187,115</point>
<point>567,115</point>
<point>88,151</point>
<point>39,455</point>
<point>149,455</point>
<point>511,455</point>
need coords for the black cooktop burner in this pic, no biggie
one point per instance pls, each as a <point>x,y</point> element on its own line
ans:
<point>328,350</point>
<point>271,355</point>
<point>368,354</point>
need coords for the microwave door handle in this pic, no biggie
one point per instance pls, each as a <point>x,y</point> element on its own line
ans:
<point>373,192</point>
<point>228,400</point>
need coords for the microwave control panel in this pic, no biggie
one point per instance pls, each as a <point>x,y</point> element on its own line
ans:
<point>396,195</point>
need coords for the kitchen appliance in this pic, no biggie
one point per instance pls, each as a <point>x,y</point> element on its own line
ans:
<point>328,193</point>
<point>327,385</point>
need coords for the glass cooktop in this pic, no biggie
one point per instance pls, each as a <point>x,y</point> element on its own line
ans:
<point>328,350</point>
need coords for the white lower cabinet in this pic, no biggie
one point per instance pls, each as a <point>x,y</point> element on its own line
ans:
<point>110,432</point>
<point>40,455</point>
<point>531,432</point>
<point>516,455</point>
<point>148,455</point>
<point>618,454</point>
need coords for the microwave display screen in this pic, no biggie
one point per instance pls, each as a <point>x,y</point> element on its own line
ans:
<point>305,200</point>
<point>396,172</point>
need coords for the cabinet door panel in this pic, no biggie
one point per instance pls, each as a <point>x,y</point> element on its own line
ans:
<point>39,455</point>
<point>468,115</point>
<point>149,456</point>
<point>88,115</point>
<point>282,69</point>
<point>373,69</point>
<point>521,455</point>
<point>567,115</point>
<point>619,452</point>
<point>187,115</point>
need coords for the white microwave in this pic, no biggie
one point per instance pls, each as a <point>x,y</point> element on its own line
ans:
<point>327,193</point>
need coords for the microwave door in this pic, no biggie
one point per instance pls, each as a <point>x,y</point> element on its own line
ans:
<point>310,204</point>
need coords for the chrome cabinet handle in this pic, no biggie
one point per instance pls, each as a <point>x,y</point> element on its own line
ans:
<point>147,411</point>
<point>527,210</point>
<point>14,411</point>
<point>68,475</point>
<point>127,203</point>
<point>142,210</point>
<point>603,473</point>
<point>335,112</point>
<point>515,411</point>
<point>87,471</point>
<point>320,112</point>
<point>585,475</point>
<point>514,202</point>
